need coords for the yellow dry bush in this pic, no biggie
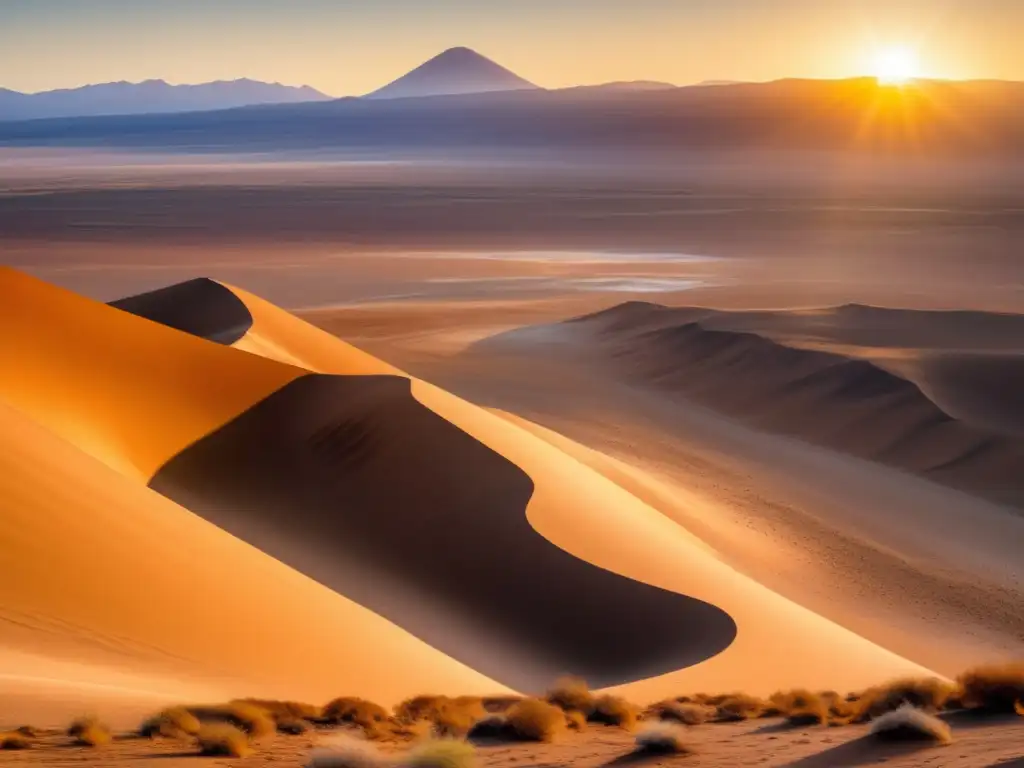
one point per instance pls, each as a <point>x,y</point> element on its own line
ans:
<point>535,720</point>
<point>90,732</point>
<point>993,688</point>
<point>223,740</point>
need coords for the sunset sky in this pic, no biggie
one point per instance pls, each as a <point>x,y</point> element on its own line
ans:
<point>348,47</point>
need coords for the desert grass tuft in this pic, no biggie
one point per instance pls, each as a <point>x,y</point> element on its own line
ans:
<point>535,720</point>
<point>285,710</point>
<point>572,694</point>
<point>908,723</point>
<point>90,732</point>
<point>343,751</point>
<point>575,720</point>
<point>223,740</point>
<point>661,738</point>
<point>994,688</point>
<point>439,753</point>
<point>685,713</point>
<point>255,721</point>
<point>801,707</point>
<point>927,693</point>
<point>171,723</point>
<point>15,740</point>
<point>450,717</point>
<point>736,707</point>
<point>614,710</point>
<point>371,717</point>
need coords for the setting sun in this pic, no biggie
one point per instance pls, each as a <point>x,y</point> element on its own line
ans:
<point>895,66</point>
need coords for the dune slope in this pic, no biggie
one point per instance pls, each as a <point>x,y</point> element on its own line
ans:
<point>848,403</point>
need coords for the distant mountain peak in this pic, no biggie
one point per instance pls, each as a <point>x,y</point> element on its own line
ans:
<point>454,71</point>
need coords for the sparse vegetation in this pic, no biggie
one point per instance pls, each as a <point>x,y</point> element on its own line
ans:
<point>285,710</point>
<point>686,713</point>
<point>223,740</point>
<point>15,740</point>
<point>736,707</point>
<point>365,714</point>
<point>908,723</point>
<point>800,707</point>
<point>614,710</point>
<point>535,720</point>
<point>576,720</point>
<point>929,693</point>
<point>572,694</point>
<point>450,717</point>
<point>90,732</point>
<point>440,753</point>
<point>661,738</point>
<point>993,688</point>
<point>171,723</point>
<point>255,721</point>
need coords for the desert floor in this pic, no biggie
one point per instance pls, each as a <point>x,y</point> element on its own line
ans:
<point>932,574</point>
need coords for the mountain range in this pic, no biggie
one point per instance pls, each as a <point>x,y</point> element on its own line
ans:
<point>149,97</point>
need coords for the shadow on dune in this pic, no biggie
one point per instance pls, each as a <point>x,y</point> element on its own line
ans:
<point>201,307</point>
<point>352,481</point>
<point>845,403</point>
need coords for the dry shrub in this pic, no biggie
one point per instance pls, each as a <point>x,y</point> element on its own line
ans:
<point>662,739</point>
<point>223,740</point>
<point>15,740</point>
<point>736,707</point>
<point>453,717</point>
<point>90,732</point>
<point>535,720</point>
<point>171,723</point>
<point>800,707</point>
<point>576,720</point>
<point>928,693</point>
<point>572,693</point>
<point>292,726</point>
<point>360,712</point>
<point>495,704</point>
<point>285,710</point>
<point>416,731</point>
<point>253,720</point>
<point>908,723</point>
<point>993,688</point>
<point>614,710</point>
<point>346,752</point>
<point>29,731</point>
<point>440,753</point>
<point>687,713</point>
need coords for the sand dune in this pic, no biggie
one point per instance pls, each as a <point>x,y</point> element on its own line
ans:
<point>760,367</point>
<point>393,492</point>
<point>124,600</point>
<point>200,307</point>
<point>580,510</point>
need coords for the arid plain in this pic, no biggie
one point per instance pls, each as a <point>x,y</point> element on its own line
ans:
<point>798,404</point>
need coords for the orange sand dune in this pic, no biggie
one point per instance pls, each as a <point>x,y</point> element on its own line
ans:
<point>585,513</point>
<point>117,598</point>
<point>135,395</point>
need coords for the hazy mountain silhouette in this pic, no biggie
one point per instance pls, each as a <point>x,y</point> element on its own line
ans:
<point>149,97</point>
<point>622,86</point>
<point>455,71</point>
<point>948,117</point>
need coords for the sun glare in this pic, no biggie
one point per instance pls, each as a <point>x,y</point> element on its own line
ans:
<point>896,66</point>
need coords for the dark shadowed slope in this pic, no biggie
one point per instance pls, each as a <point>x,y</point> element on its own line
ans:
<point>201,307</point>
<point>850,404</point>
<point>352,481</point>
<point>455,71</point>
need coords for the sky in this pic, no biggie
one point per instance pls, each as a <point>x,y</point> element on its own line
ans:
<point>350,47</point>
